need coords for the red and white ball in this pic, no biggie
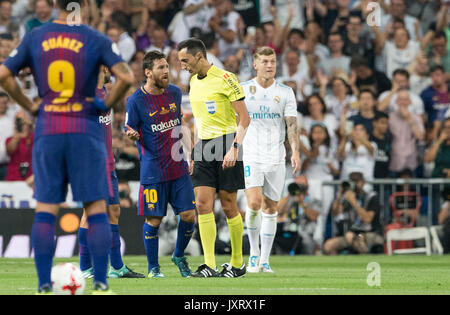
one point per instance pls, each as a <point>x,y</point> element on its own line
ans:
<point>67,279</point>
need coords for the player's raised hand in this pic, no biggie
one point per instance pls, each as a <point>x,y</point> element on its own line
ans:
<point>131,133</point>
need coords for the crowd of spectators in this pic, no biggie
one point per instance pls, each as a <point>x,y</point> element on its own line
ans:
<point>371,77</point>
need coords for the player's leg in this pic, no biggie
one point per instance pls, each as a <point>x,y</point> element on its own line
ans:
<point>253,223</point>
<point>205,197</point>
<point>153,201</point>
<point>117,268</point>
<point>186,227</point>
<point>99,241</point>
<point>86,160</point>
<point>151,243</point>
<point>272,190</point>
<point>85,256</point>
<point>115,256</point>
<point>268,231</point>
<point>182,199</point>
<point>50,190</point>
<point>236,267</point>
<point>43,242</point>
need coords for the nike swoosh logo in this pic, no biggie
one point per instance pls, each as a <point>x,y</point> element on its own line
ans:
<point>151,114</point>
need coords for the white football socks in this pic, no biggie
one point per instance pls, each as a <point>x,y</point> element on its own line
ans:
<point>268,231</point>
<point>253,223</point>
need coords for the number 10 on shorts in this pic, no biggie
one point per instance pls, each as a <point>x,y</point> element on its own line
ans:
<point>151,196</point>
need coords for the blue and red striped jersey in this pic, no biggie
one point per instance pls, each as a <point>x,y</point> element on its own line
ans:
<point>105,120</point>
<point>65,61</point>
<point>157,118</point>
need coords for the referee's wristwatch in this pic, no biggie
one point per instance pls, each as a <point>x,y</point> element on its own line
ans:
<point>237,145</point>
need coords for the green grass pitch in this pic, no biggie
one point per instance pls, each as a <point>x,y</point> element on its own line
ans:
<point>295,275</point>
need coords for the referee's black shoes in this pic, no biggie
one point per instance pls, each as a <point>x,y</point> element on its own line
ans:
<point>232,272</point>
<point>203,271</point>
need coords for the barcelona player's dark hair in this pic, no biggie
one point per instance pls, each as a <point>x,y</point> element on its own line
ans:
<point>193,46</point>
<point>64,4</point>
<point>150,57</point>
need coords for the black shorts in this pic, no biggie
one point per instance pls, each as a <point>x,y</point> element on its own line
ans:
<point>208,158</point>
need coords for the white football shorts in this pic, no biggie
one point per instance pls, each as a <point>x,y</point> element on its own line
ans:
<point>270,177</point>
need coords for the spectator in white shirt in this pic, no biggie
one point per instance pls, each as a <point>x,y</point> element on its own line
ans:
<point>159,38</point>
<point>398,11</point>
<point>337,63</point>
<point>212,49</point>
<point>398,54</point>
<point>8,24</point>
<point>316,112</point>
<point>228,26</point>
<point>284,7</point>
<point>357,153</point>
<point>420,74</point>
<point>126,44</point>
<point>339,97</point>
<point>387,101</point>
<point>197,14</point>
<point>320,164</point>
<point>303,81</point>
<point>6,131</point>
<point>296,41</point>
<point>177,75</point>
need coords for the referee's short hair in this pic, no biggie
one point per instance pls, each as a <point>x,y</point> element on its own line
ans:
<point>150,57</point>
<point>193,46</point>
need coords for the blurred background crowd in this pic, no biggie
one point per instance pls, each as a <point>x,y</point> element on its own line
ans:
<point>372,91</point>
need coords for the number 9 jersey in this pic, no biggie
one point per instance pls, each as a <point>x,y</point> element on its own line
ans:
<point>68,146</point>
<point>65,62</point>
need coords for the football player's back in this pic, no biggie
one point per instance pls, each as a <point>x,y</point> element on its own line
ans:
<point>68,147</point>
<point>65,61</point>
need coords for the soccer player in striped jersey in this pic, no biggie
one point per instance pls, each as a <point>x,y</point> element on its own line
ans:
<point>153,119</point>
<point>117,267</point>
<point>68,147</point>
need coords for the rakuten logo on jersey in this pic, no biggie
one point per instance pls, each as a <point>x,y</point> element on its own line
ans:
<point>166,125</point>
<point>105,119</point>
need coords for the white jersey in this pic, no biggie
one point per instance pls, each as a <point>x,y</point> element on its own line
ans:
<point>267,108</point>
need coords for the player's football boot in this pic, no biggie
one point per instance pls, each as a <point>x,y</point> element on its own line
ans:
<point>253,262</point>
<point>45,290</point>
<point>183,265</point>
<point>88,273</point>
<point>232,272</point>
<point>99,288</point>
<point>156,273</point>
<point>124,272</point>
<point>265,268</point>
<point>203,271</point>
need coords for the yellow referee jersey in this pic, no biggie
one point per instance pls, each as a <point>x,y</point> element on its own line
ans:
<point>211,99</point>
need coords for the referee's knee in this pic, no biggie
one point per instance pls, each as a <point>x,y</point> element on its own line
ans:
<point>204,207</point>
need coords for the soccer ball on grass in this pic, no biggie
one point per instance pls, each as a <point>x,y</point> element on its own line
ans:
<point>67,279</point>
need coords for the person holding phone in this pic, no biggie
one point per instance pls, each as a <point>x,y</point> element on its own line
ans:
<point>19,147</point>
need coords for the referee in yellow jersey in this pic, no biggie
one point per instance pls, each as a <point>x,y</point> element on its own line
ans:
<point>216,97</point>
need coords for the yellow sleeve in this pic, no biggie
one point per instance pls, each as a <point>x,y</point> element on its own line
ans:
<point>233,89</point>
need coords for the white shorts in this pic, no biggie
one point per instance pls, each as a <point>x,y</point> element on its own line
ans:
<point>270,177</point>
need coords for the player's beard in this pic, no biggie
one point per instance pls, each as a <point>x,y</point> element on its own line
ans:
<point>161,83</point>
